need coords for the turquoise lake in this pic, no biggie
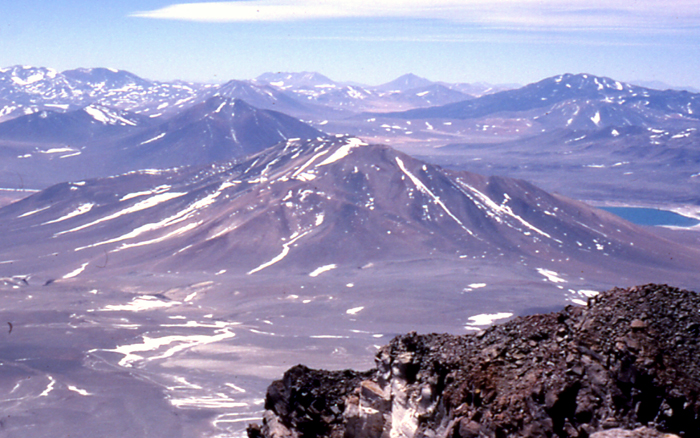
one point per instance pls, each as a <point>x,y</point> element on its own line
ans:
<point>651,216</point>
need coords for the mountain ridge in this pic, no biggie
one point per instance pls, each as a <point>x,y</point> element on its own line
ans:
<point>99,141</point>
<point>551,91</point>
<point>329,201</point>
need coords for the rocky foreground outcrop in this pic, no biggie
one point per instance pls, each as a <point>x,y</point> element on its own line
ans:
<point>626,365</point>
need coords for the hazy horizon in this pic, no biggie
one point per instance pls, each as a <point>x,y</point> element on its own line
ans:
<point>516,41</point>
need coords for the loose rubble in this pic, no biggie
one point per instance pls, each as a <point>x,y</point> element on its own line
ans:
<point>625,365</point>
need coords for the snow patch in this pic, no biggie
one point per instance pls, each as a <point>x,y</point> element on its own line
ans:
<point>36,77</point>
<point>319,219</point>
<point>551,275</point>
<point>488,319</point>
<point>139,304</point>
<point>82,392</point>
<point>322,269</point>
<point>588,293</point>
<point>57,150</point>
<point>106,117</point>
<point>342,151</point>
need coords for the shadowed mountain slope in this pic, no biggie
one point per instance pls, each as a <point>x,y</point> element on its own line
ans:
<point>98,141</point>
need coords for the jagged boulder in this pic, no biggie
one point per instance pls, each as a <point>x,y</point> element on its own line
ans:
<point>626,365</point>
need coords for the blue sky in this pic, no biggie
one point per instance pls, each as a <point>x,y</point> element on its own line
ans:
<point>368,41</point>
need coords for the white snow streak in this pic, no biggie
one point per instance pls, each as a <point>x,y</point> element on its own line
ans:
<point>153,344</point>
<point>223,104</point>
<point>29,213</point>
<point>172,220</point>
<point>82,209</point>
<point>283,254</point>
<point>107,118</point>
<point>322,269</point>
<point>423,188</point>
<point>156,191</point>
<point>49,388</point>
<point>157,137</point>
<point>142,205</point>
<point>216,401</point>
<point>74,154</point>
<point>309,163</point>
<point>173,233</point>
<point>503,209</point>
<point>77,271</point>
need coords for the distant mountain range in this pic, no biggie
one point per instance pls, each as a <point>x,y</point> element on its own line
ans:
<point>659,85</point>
<point>603,131</point>
<point>29,89</point>
<point>574,101</point>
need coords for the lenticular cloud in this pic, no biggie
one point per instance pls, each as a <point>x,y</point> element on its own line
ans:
<point>512,14</point>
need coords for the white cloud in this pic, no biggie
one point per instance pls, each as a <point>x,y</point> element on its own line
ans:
<point>293,10</point>
<point>645,15</point>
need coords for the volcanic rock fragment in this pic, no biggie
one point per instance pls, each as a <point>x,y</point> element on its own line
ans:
<point>626,365</point>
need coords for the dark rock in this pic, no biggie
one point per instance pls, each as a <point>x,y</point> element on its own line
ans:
<point>638,324</point>
<point>469,429</point>
<point>593,372</point>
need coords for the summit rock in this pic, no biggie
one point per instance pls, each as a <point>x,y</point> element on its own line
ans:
<point>580,372</point>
